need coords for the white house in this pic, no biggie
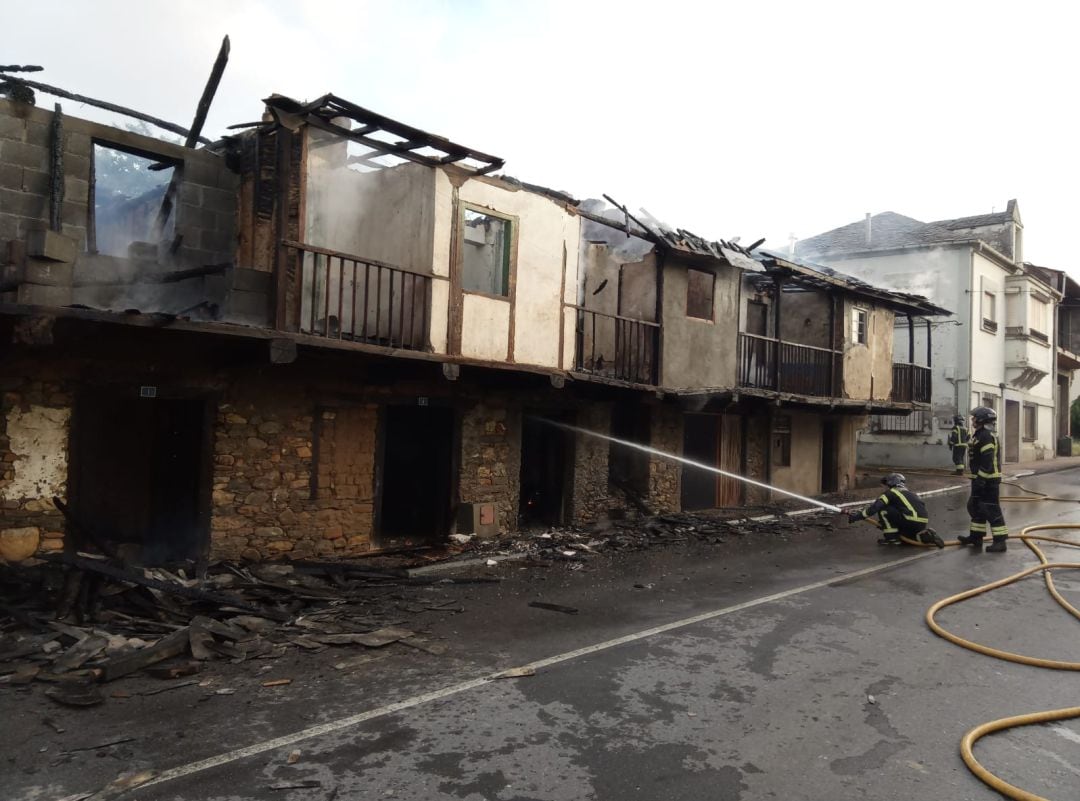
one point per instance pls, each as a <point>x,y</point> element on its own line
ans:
<point>997,350</point>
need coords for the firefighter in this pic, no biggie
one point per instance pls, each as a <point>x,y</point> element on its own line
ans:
<point>958,441</point>
<point>984,505</point>
<point>901,514</point>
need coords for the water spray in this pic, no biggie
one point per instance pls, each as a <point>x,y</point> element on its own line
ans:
<point>690,462</point>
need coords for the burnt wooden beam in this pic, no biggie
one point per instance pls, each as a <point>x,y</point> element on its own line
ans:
<point>56,170</point>
<point>104,104</point>
<point>193,137</point>
<point>120,574</point>
<point>17,68</point>
<point>167,647</point>
<point>209,91</point>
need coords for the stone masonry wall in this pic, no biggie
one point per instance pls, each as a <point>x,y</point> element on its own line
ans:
<point>265,474</point>
<point>491,459</point>
<point>346,478</point>
<point>35,417</point>
<point>757,456</point>
<point>665,475</point>
<point>591,499</point>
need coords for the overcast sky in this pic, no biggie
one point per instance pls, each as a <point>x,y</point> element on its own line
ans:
<point>744,119</point>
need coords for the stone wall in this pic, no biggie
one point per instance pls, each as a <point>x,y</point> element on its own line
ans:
<point>345,482</point>
<point>756,455</point>
<point>665,475</point>
<point>491,459</point>
<point>591,499</point>
<point>35,416</point>
<point>291,480</point>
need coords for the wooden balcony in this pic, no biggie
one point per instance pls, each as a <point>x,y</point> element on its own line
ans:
<point>346,297</point>
<point>615,347</point>
<point>766,363</point>
<point>911,383</point>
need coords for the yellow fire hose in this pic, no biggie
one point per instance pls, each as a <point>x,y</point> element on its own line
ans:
<point>1044,567</point>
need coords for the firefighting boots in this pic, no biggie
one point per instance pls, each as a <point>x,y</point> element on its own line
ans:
<point>997,546</point>
<point>973,540</point>
<point>930,537</point>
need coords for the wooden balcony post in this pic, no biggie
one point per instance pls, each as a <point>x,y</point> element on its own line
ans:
<point>779,284</point>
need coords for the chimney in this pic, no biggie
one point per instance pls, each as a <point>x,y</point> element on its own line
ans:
<point>869,229</point>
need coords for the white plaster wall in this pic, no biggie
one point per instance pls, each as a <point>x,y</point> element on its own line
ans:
<point>547,236</point>
<point>440,308</point>
<point>486,331</point>
<point>443,224</point>
<point>988,349</point>
<point>38,438</point>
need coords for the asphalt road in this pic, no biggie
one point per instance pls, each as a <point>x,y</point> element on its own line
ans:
<point>763,671</point>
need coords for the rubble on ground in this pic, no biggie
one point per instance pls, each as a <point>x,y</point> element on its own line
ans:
<point>575,544</point>
<point>81,621</point>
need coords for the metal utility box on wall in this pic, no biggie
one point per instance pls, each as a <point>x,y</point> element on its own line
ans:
<point>479,519</point>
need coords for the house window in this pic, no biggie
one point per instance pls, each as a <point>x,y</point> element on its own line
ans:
<point>918,422</point>
<point>989,308</point>
<point>1031,422</point>
<point>990,401</point>
<point>126,196</point>
<point>781,441</point>
<point>486,253</point>
<point>699,294</point>
<point>1037,326</point>
<point>859,319</point>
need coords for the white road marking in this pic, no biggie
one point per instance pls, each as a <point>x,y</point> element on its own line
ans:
<point>455,689</point>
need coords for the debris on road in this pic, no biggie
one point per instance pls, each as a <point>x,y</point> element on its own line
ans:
<point>567,610</point>
<point>515,673</point>
<point>117,620</point>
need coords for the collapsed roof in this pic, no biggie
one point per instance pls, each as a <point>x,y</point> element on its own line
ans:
<point>381,135</point>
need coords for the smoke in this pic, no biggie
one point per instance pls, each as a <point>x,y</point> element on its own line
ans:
<point>622,247</point>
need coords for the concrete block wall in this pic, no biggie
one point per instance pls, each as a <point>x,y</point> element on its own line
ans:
<point>204,213</point>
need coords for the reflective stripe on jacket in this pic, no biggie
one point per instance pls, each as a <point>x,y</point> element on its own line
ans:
<point>909,505</point>
<point>958,437</point>
<point>984,454</point>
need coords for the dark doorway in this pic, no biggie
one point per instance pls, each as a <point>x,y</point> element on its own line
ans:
<point>628,468</point>
<point>547,469</point>
<point>830,465</point>
<point>140,473</point>
<point>757,318</point>
<point>417,474</point>
<point>700,435</point>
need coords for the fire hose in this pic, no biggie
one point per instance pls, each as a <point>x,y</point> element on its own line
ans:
<point>1044,567</point>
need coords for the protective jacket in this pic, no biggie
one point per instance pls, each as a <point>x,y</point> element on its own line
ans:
<point>984,457</point>
<point>898,503</point>
<point>959,437</point>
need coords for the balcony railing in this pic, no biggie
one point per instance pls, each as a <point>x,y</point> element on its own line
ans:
<point>911,383</point>
<point>799,369</point>
<point>616,347</point>
<point>360,300</point>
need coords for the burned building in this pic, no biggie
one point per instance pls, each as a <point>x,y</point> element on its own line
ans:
<point>334,333</point>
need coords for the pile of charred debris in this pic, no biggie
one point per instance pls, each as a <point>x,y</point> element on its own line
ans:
<point>575,544</point>
<point>77,621</point>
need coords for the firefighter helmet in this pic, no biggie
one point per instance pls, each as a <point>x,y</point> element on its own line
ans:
<point>894,480</point>
<point>983,415</point>
<point>958,420</point>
